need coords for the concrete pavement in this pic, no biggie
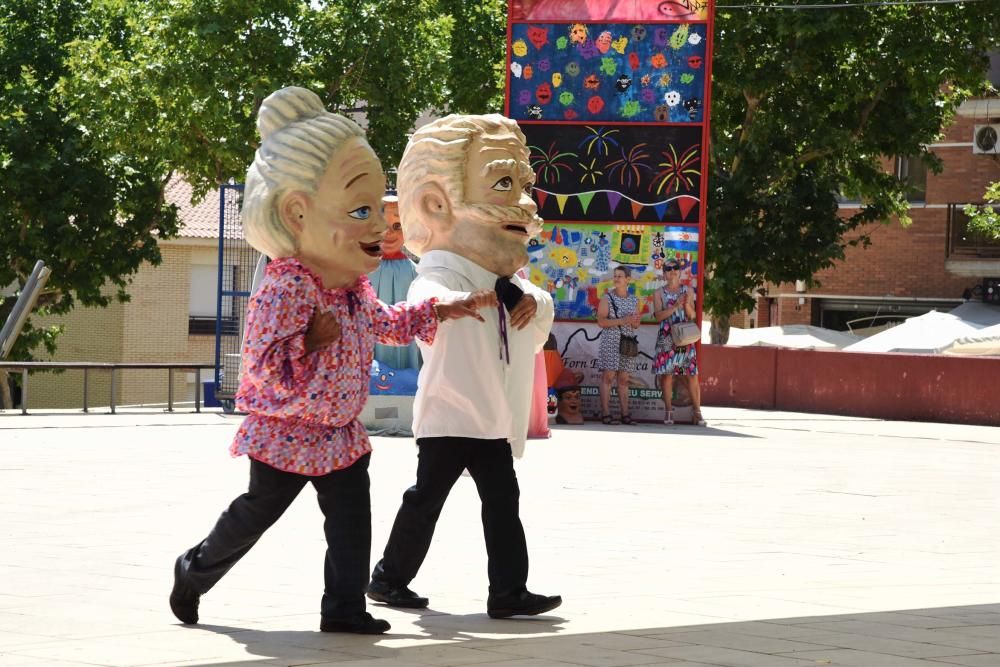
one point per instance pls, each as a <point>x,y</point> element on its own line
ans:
<point>766,540</point>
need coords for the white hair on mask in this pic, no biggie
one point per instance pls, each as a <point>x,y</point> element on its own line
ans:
<point>437,153</point>
<point>298,138</point>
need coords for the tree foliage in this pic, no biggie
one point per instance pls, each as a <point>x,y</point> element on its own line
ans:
<point>90,213</point>
<point>103,101</point>
<point>985,219</point>
<point>477,77</point>
<point>806,104</point>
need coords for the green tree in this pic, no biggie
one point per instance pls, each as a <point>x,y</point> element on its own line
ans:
<point>103,101</point>
<point>806,104</point>
<point>183,79</point>
<point>91,214</point>
<point>477,74</point>
<point>985,219</point>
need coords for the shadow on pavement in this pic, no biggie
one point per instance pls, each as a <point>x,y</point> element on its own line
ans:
<point>966,635</point>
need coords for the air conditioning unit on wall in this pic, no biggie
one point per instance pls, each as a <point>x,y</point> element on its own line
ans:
<point>985,139</point>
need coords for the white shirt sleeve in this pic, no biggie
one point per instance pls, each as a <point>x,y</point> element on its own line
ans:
<point>434,284</point>
<point>544,316</point>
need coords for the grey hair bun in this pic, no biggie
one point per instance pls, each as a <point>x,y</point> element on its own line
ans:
<point>285,107</point>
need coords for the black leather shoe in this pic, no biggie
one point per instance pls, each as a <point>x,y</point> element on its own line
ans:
<point>360,624</point>
<point>183,601</point>
<point>395,596</point>
<point>521,604</point>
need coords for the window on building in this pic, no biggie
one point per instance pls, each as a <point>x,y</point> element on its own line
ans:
<point>964,243</point>
<point>848,202</point>
<point>994,73</point>
<point>913,172</point>
<point>203,300</point>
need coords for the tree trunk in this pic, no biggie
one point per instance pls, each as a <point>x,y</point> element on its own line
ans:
<point>719,331</point>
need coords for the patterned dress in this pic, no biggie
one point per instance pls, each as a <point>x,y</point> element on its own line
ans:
<point>668,360</point>
<point>610,359</point>
<point>303,406</point>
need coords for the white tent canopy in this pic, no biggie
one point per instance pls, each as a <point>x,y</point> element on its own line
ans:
<point>798,336</point>
<point>982,343</point>
<point>932,332</point>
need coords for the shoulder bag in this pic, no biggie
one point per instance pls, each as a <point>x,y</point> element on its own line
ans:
<point>684,333</point>
<point>628,346</point>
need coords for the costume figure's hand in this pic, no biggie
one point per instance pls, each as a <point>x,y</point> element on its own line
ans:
<point>323,330</point>
<point>523,312</point>
<point>467,307</point>
<point>483,298</point>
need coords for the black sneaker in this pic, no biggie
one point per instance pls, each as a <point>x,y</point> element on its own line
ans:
<point>521,604</point>
<point>395,596</point>
<point>360,624</point>
<point>183,601</point>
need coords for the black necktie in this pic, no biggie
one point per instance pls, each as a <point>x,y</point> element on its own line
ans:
<point>508,294</point>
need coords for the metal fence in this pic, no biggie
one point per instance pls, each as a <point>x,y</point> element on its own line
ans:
<point>87,366</point>
<point>236,266</point>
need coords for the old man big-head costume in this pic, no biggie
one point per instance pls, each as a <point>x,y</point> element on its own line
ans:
<point>465,201</point>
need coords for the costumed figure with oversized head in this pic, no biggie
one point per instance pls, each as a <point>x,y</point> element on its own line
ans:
<point>465,201</point>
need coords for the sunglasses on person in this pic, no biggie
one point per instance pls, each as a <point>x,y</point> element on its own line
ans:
<point>671,267</point>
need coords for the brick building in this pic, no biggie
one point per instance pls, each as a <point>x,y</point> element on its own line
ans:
<point>911,270</point>
<point>170,318</point>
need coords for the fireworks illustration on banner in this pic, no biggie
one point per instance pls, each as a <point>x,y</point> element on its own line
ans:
<point>629,165</point>
<point>600,141</point>
<point>591,171</point>
<point>677,170</point>
<point>616,173</point>
<point>547,164</point>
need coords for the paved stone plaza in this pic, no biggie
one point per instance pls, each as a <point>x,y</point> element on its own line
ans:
<point>766,540</point>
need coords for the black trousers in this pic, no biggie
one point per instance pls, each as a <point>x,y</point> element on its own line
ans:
<point>440,464</point>
<point>345,502</point>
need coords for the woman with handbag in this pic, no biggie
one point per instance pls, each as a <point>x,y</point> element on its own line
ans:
<point>618,315</point>
<point>676,354</point>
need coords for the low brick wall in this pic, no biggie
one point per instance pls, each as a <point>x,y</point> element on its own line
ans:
<point>886,386</point>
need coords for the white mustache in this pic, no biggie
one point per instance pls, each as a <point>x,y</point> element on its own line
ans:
<point>493,213</point>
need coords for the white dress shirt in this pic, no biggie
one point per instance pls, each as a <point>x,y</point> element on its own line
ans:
<point>466,389</point>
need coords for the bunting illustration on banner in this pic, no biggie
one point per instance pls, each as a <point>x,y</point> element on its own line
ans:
<point>616,173</point>
<point>574,261</point>
<point>607,72</point>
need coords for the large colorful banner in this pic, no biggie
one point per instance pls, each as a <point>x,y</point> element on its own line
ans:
<point>613,101</point>
<point>616,173</point>
<point>608,72</point>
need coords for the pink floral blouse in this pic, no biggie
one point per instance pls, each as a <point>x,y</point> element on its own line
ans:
<point>303,408</point>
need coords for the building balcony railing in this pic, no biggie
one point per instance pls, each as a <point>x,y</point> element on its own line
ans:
<point>964,243</point>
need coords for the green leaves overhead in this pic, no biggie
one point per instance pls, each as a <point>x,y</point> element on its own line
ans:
<point>103,101</point>
<point>806,104</point>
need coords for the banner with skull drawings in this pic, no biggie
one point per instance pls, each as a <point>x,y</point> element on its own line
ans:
<point>614,99</point>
